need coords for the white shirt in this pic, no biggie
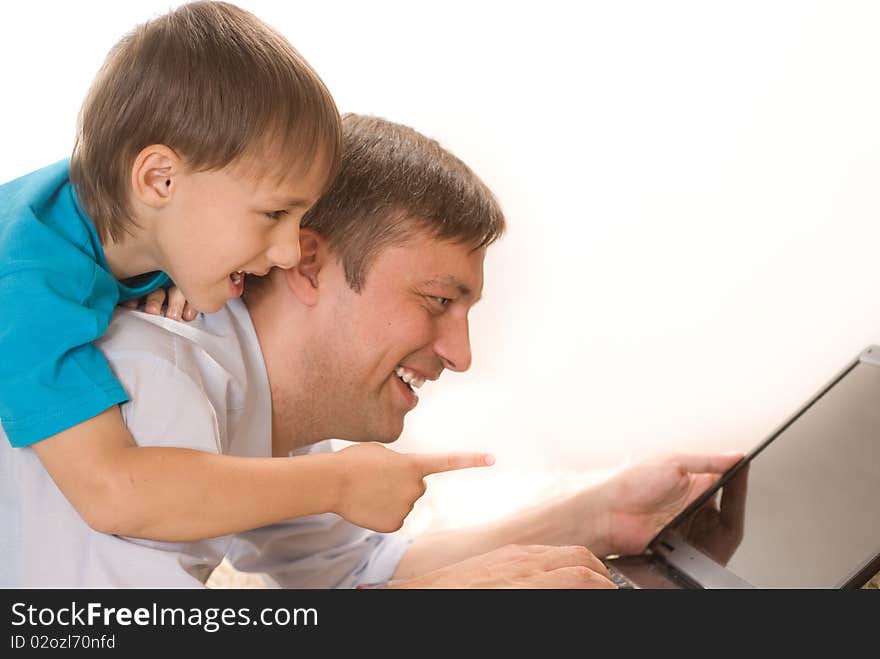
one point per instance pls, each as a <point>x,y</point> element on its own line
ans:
<point>199,385</point>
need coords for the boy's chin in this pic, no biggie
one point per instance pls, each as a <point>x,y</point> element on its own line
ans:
<point>209,305</point>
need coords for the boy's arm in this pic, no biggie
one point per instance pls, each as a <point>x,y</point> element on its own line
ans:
<point>179,494</point>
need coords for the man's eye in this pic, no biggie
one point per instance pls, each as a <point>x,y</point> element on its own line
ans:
<point>442,301</point>
<point>275,215</point>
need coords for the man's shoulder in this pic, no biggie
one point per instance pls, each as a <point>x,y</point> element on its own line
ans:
<point>211,347</point>
<point>210,370</point>
<point>135,333</point>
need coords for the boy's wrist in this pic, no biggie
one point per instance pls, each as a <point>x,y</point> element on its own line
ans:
<point>334,477</point>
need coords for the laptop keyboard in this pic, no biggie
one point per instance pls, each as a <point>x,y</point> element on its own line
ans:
<point>619,580</point>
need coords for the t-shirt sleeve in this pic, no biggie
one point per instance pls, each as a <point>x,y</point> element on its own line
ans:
<point>51,375</point>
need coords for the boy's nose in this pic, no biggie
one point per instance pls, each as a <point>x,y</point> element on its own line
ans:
<point>284,254</point>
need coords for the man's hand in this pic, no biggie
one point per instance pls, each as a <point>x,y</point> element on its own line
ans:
<point>520,566</point>
<point>641,500</point>
<point>176,307</point>
<point>379,486</point>
<point>715,530</point>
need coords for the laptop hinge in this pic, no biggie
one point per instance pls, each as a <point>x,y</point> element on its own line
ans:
<point>698,567</point>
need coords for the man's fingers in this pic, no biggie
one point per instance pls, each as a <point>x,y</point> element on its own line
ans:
<point>579,577</point>
<point>573,556</point>
<point>554,557</point>
<point>434,463</point>
<point>701,483</point>
<point>733,500</point>
<point>706,464</point>
<point>557,566</point>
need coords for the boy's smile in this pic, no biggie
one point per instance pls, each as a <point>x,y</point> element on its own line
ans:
<point>208,230</point>
<point>220,226</point>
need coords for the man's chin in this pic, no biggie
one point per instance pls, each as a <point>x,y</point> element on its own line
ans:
<point>389,436</point>
<point>386,435</point>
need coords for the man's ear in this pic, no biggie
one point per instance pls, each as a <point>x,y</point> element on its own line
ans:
<point>303,279</point>
<point>154,174</point>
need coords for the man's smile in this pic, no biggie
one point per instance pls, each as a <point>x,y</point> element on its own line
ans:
<point>406,381</point>
<point>412,379</point>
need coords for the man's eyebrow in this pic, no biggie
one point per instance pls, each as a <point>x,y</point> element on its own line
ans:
<point>449,280</point>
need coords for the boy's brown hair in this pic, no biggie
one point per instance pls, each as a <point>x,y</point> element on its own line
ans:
<point>392,183</point>
<point>215,84</point>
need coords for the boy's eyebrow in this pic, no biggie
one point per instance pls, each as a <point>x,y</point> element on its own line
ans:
<point>298,203</point>
<point>281,202</point>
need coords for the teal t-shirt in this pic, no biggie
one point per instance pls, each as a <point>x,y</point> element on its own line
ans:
<point>57,295</point>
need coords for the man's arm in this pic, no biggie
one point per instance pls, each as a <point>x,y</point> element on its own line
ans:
<point>550,523</point>
<point>618,516</point>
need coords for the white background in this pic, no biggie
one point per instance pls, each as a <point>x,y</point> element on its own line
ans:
<point>693,192</point>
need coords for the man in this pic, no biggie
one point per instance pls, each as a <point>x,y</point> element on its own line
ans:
<point>392,261</point>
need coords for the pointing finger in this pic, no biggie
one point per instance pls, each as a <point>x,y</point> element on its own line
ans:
<point>434,463</point>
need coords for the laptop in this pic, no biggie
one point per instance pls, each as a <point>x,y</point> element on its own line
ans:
<point>801,510</point>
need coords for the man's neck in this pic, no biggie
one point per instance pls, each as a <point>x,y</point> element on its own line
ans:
<point>292,423</point>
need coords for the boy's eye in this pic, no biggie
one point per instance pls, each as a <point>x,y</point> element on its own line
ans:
<point>275,215</point>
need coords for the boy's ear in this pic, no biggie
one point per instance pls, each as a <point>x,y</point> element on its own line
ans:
<point>303,279</point>
<point>153,175</point>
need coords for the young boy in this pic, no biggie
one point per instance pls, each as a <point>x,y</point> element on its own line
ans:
<point>204,139</point>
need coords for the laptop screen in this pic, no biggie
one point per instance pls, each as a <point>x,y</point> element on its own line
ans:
<point>809,502</point>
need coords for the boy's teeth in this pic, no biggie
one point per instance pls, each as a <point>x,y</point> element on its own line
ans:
<point>236,277</point>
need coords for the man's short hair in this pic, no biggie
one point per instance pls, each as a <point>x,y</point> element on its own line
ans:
<point>215,84</point>
<point>393,183</point>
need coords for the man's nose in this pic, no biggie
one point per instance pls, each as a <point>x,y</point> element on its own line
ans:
<point>284,251</point>
<point>453,344</point>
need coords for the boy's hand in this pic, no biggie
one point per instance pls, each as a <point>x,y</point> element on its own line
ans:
<point>380,486</point>
<point>176,308</point>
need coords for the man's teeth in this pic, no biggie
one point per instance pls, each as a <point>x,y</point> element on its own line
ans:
<point>409,377</point>
<point>236,277</point>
